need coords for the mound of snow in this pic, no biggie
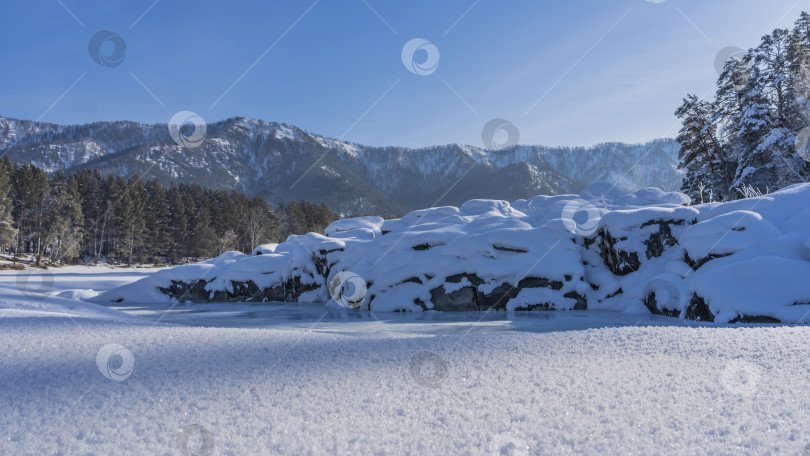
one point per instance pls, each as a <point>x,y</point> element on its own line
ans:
<point>264,249</point>
<point>602,249</point>
<point>78,294</point>
<point>358,227</point>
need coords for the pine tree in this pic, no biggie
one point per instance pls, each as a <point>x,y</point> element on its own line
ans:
<point>701,154</point>
<point>30,191</point>
<point>130,210</point>
<point>114,231</point>
<point>62,221</point>
<point>157,220</point>
<point>761,114</point>
<point>178,224</point>
<point>88,185</point>
<point>7,230</point>
<point>754,166</point>
<point>203,237</point>
<point>63,218</point>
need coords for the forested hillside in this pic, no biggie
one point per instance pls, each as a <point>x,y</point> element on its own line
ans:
<point>90,217</point>
<point>753,137</point>
<point>282,163</point>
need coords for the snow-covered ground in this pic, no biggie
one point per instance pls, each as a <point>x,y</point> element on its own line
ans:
<point>81,379</point>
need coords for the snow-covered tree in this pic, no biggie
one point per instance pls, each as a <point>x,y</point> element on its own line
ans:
<point>760,113</point>
<point>754,165</point>
<point>701,154</point>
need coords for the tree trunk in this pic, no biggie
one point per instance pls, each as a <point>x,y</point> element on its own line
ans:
<point>40,251</point>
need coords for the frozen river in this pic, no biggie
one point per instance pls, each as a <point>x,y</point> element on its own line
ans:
<point>76,281</point>
<point>318,317</point>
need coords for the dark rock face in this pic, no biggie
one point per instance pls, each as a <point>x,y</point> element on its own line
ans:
<point>248,291</point>
<point>658,243</point>
<point>622,263</point>
<point>322,265</point>
<point>651,303</point>
<point>696,264</point>
<point>470,299</point>
<point>754,319</point>
<point>498,298</point>
<point>582,303</point>
<point>182,291</point>
<point>698,310</point>
<point>619,262</point>
<point>463,299</point>
<point>466,298</point>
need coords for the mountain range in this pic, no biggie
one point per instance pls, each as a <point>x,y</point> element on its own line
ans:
<point>282,163</point>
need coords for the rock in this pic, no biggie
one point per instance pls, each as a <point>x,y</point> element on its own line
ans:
<point>182,291</point>
<point>696,264</point>
<point>619,262</point>
<point>247,291</point>
<point>698,310</point>
<point>468,298</point>
<point>658,242</point>
<point>651,303</point>
<point>622,262</point>
<point>463,299</point>
<point>755,319</point>
<point>582,303</point>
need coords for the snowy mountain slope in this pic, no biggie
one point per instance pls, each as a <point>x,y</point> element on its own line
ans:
<point>738,262</point>
<point>282,162</point>
<point>17,135</point>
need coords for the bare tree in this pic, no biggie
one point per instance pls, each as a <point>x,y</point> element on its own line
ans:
<point>255,225</point>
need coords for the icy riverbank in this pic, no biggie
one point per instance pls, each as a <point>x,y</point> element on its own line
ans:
<point>744,261</point>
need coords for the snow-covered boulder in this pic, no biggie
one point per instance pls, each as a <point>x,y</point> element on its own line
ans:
<point>743,261</point>
<point>358,227</point>
<point>264,249</point>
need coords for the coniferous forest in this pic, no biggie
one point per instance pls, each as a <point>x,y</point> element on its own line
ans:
<point>88,217</point>
<point>753,137</point>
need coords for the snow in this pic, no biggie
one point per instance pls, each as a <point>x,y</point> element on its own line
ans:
<point>98,277</point>
<point>79,378</point>
<point>757,248</point>
<point>62,290</point>
<point>726,234</point>
<point>346,148</point>
<point>365,227</point>
<point>642,390</point>
<point>782,296</point>
<point>264,249</point>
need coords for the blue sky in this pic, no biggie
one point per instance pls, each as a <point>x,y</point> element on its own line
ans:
<point>566,72</point>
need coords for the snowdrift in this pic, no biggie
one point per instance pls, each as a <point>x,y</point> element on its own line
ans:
<point>744,261</point>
